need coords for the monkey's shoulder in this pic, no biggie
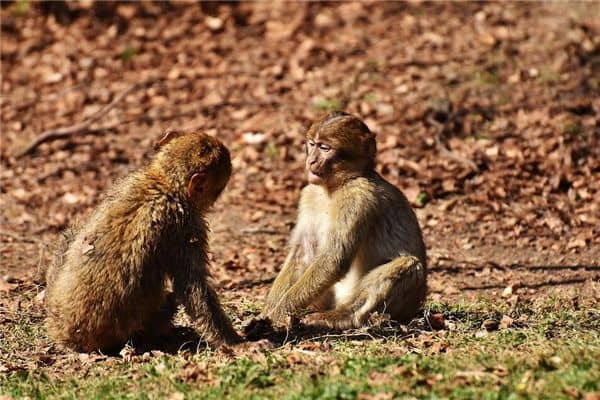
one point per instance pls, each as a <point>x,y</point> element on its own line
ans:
<point>387,190</point>
<point>373,195</point>
<point>141,199</point>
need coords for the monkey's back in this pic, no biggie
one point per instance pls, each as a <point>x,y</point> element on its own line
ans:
<point>396,233</point>
<point>108,283</point>
<point>396,230</point>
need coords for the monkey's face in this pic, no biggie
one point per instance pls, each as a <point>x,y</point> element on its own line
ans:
<point>320,157</point>
<point>338,147</point>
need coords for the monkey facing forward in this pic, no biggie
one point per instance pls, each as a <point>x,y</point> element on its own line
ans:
<point>142,252</point>
<point>357,246</point>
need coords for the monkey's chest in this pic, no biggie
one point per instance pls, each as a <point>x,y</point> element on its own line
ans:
<point>316,232</point>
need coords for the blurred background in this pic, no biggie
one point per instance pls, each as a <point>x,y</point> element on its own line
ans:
<point>487,117</point>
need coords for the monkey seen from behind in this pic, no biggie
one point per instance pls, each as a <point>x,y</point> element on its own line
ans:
<point>142,252</point>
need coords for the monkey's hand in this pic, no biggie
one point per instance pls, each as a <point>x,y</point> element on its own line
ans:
<point>278,315</point>
<point>267,309</point>
<point>258,328</point>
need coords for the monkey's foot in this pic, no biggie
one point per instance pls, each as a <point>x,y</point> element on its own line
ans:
<point>329,320</point>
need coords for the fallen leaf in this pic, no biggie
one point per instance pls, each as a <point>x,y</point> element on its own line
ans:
<point>437,321</point>
<point>505,322</point>
<point>127,353</point>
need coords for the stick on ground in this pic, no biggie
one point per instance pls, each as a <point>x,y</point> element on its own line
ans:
<point>59,133</point>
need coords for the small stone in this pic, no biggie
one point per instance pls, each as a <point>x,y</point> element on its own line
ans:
<point>213,23</point>
<point>490,325</point>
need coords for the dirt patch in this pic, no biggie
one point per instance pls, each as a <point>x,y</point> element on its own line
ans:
<point>486,118</point>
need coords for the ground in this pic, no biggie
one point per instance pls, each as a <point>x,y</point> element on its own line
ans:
<point>487,116</point>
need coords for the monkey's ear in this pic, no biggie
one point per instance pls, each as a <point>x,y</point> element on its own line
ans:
<point>167,137</point>
<point>196,184</point>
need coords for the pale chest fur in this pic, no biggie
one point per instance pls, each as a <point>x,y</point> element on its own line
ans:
<point>345,289</point>
<point>315,224</point>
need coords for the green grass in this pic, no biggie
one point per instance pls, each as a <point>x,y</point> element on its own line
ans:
<point>551,351</point>
<point>328,104</point>
<point>20,7</point>
<point>128,53</point>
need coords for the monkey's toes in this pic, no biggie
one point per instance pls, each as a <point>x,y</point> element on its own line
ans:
<point>319,320</point>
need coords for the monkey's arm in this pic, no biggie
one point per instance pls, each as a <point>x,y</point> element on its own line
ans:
<point>215,326</point>
<point>285,279</point>
<point>60,251</point>
<point>352,224</point>
<point>202,304</point>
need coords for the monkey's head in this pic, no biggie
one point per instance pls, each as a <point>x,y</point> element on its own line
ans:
<point>339,146</point>
<point>197,165</point>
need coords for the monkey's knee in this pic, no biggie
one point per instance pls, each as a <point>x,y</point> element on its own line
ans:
<point>399,287</point>
<point>403,303</point>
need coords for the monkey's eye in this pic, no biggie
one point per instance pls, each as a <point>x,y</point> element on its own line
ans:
<point>204,151</point>
<point>324,147</point>
<point>310,143</point>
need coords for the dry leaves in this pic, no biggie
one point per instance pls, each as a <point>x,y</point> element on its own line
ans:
<point>499,94</point>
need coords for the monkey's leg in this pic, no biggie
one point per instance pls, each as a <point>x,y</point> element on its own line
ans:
<point>407,291</point>
<point>160,323</point>
<point>397,287</point>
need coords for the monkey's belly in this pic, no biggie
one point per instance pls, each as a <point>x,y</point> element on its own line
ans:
<point>345,289</point>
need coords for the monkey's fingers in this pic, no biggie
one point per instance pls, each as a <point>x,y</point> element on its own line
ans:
<point>258,328</point>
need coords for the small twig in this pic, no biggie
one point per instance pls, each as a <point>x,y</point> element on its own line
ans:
<point>287,335</point>
<point>67,131</point>
<point>348,335</point>
<point>426,318</point>
<point>445,151</point>
<point>454,156</point>
<point>258,229</point>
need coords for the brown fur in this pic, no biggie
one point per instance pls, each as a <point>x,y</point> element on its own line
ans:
<point>110,281</point>
<point>357,246</point>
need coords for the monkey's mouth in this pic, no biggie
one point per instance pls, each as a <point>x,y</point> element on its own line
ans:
<point>314,176</point>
